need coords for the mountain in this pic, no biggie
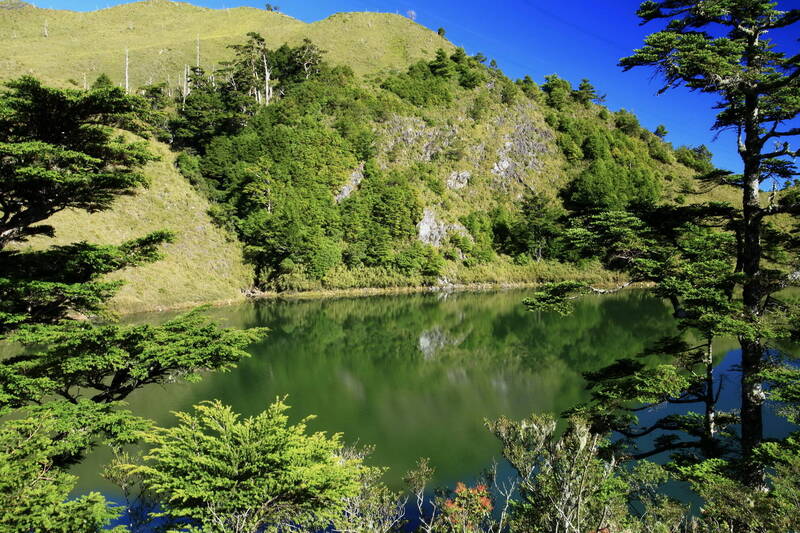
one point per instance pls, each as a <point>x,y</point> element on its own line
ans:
<point>414,165</point>
<point>161,38</point>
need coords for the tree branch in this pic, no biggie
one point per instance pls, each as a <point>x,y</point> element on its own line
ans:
<point>667,448</point>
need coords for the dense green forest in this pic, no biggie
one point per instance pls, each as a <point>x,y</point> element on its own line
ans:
<point>432,170</point>
<point>302,162</point>
<point>331,179</point>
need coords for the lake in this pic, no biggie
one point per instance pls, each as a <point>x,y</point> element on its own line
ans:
<point>414,375</point>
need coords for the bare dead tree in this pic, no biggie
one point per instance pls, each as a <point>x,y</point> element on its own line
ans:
<point>374,507</point>
<point>417,480</point>
<point>127,79</point>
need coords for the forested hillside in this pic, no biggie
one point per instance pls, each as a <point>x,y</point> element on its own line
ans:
<point>359,151</point>
<point>306,161</point>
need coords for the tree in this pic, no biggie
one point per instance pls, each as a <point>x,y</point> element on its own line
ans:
<point>244,475</point>
<point>59,151</point>
<point>251,71</point>
<point>558,91</point>
<point>309,57</point>
<point>272,7</point>
<point>59,141</point>
<point>107,363</point>
<point>441,32</point>
<point>442,66</point>
<point>34,490</point>
<point>586,93</point>
<point>103,82</point>
<point>539,225</point>
<point>567,482</point>
<point>759,93</point>
<point>660,131</point>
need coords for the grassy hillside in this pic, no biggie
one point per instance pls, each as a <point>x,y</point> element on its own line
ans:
<point>161,38</point>
<point>202,265</point>
<point>469,159</point>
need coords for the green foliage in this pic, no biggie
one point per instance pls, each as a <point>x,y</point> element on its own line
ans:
<point>627,122</point>
<point>225,473</point>
<point>697,158</point>
<point>427,84</point>
<point>529,88</point>
<point>564,484</point>
<point>61,153</point>
<point>61,141</point>
<point>555,296</point>
<point>420,87</point>
<point>609,184</point>
<point>102,82</point>
<point>35,490</point>
<point>442,66</point>
<point>728,50</point>
<point>107,363</point>
<point>558,92</point>
<point>223,102</point>
<point>45,286</point>
<point>660,151</point>
<point>586,93</point>
<point>730,505</point>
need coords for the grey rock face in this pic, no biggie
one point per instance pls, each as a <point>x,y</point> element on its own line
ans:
<point>352,184</point>
<point>520,153</point>
<point>433,231</point>
<point>419,141</point>
<point>458,180</point>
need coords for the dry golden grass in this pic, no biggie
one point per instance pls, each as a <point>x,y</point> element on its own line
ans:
<point>161,38</point>
<point>202,265</point>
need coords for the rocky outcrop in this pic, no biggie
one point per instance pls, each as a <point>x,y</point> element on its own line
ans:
<point>352,184</point>
<point>520,153</point>
<point>458,180</point>
<point>431,230</point>
<point>415,139</point>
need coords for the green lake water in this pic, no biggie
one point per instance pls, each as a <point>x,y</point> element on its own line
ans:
<point>413,375</point>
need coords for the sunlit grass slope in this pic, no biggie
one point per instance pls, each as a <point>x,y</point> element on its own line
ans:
<point>161,38</point>
<point>502,149</point>
<point>202,265</point>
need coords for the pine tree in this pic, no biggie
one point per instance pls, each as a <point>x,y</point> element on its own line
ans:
<point>734,293</point>
<point>758,88</point>
<point>59,397</point>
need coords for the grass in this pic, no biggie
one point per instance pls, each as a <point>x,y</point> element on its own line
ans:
<point>161,37</point>
<point>203,265</point>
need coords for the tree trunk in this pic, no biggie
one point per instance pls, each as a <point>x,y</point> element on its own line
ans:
<point>752,348</point>
<point>710,419</point>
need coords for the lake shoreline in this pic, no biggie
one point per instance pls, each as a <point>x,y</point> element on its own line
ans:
<point>365,292</point>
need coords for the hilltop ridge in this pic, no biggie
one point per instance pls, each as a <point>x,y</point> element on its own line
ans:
<point>162,36</point>
<point>440,147</point>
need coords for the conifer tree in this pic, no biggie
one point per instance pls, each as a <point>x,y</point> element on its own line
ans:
<point>758,91</point>
<point>59,398</point>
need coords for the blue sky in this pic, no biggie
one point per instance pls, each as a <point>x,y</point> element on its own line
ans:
<point>574,38</point>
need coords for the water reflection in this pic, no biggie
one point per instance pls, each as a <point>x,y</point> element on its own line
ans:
<point>415,375</point>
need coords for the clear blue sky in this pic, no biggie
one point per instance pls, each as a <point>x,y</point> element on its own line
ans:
<point>574,38</point>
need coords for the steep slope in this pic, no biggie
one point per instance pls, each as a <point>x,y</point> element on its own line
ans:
<point>449,163</point>
<point>162,36</point>
<point>203,264</point>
